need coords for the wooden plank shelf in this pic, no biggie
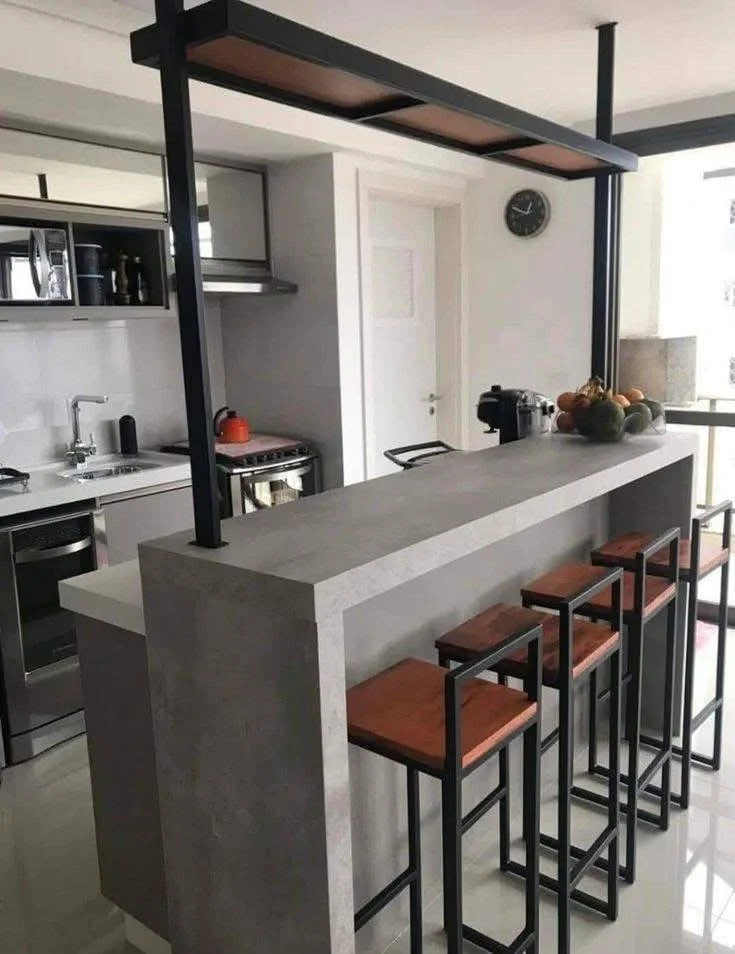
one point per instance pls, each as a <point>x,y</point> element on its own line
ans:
<point>238,46</point>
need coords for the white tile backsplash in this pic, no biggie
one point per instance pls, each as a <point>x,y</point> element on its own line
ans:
<point>136,362</point>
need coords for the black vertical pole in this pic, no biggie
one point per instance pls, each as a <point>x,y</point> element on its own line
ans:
<point>605,229</point>
<point>184,221</point>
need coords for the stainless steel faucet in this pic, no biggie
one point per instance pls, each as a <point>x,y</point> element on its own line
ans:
<point>78,450</point>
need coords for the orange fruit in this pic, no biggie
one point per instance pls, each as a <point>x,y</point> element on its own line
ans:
<point>565,422</point>
<point>565,401</point>
<point>634,395</point>
<point>621,399</point>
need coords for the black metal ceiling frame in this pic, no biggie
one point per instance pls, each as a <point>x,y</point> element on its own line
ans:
<point>165,44</point>
<point>221,18</point>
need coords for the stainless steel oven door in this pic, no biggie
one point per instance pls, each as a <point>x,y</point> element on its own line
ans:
<point>40,668</point>
<point>272,486</point>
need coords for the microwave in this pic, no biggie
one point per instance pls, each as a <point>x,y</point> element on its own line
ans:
<point>34,263</point>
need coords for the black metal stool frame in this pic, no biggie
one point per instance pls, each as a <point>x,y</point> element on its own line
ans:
<point>639,782</point>
<point>569,874</point>
<point>690,721</point>
<point>454,825</point>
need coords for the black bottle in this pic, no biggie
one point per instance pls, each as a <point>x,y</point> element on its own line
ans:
<point>128,436</point>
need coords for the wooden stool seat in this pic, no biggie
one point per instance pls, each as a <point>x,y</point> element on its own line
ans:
<point>592,642</point>
<point>658,592</point>
<point>562,584</point>
<point>622,552</point>
<point>400,714</point>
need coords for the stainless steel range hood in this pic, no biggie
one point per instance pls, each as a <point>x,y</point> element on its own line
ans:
<point>227,276</point>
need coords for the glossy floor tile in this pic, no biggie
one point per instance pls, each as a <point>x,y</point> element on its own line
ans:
<point>50,900</point>
<point>682,903</point>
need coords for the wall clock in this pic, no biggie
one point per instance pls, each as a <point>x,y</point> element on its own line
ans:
<point>527,213</point>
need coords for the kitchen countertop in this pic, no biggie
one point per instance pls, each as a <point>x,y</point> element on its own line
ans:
<point>112,595</point>
<point>47,489</point>
<point>328,552</point>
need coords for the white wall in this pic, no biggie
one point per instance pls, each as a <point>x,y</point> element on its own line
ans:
<point>136,362</point>
<point>530,300</point>
<point>281,353</point>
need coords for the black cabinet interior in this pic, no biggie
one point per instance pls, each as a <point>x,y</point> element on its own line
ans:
<point>114,241</point>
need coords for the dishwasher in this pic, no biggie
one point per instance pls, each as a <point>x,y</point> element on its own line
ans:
<point>41,698</point>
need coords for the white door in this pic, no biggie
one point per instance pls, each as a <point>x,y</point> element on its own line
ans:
<point>399,308</point>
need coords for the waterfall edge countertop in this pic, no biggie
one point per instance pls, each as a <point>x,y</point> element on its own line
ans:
<point>335,550</point>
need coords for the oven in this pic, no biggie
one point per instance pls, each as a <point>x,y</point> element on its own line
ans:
<point>41,686</point>
<point>265,471</point>
<point>246,488</point>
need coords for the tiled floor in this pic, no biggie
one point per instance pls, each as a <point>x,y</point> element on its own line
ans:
<point>683,901</point>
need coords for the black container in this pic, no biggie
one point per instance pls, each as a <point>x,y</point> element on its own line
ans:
<point>88,257</point>
<point>91,289</point>
<point>128,435</point>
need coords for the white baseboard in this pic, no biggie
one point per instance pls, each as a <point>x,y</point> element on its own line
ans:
<point>143,938</point>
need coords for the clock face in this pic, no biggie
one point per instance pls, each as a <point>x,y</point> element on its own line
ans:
<point>527,213</point>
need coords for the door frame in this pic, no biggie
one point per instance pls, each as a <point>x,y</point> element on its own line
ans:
<point>451,295</point>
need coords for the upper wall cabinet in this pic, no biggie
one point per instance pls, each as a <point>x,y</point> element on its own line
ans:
<point>63,170</point>
<point>232,215</point>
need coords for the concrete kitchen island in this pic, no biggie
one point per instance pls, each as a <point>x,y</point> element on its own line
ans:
<point>266,833</point>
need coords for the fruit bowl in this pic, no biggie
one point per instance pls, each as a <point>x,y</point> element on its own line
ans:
<point>600,415</point>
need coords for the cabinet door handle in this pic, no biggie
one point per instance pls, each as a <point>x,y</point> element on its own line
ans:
<point>32,555</point>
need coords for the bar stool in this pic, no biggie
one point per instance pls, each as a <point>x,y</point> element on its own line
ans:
<point>571,650</point>
<point>447,725</point>
<point>697,559</point>
<point>644,597</point>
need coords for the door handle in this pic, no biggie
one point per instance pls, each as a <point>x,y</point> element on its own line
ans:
<point>32,555</point>
<point>432,398</point>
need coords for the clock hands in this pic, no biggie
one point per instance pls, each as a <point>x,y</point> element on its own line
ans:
<point>527,211</point>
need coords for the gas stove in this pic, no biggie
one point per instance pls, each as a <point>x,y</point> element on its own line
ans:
<point>262,450</point>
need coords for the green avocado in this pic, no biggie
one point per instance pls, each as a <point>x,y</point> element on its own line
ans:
<point>638,418</point>
<point>656,408</point>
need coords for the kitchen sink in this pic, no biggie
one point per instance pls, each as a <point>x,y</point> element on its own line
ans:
<point>108,470</point>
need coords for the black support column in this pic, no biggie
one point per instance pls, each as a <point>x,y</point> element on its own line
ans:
<point>184,221</point>
<point>606,228</point>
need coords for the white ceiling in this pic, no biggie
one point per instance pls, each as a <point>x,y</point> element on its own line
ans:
<point>536,54</point>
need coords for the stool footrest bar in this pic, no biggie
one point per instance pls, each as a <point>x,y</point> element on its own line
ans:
<point>604,694</point>
<point>518,946</point>
<point>551,884</point>
<point>650,770</point>
<point>482,807</point>
<point>384,897</point>
<point>548,841</point>
<point>589,857</point>
<point>550,741</point>
<point>644,786</point>
<point>705,713</point>
<point>597,799</point>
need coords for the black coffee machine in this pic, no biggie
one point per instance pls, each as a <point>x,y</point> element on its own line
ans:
<point>515,412</point>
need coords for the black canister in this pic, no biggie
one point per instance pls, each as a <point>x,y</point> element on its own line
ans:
<point>91,289</point>
<point>128,436</point>
<point>88,257</point>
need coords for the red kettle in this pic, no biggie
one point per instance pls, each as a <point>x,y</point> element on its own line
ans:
<point>229,428</point>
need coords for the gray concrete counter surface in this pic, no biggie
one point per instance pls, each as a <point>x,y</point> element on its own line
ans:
<point>332,551</point>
